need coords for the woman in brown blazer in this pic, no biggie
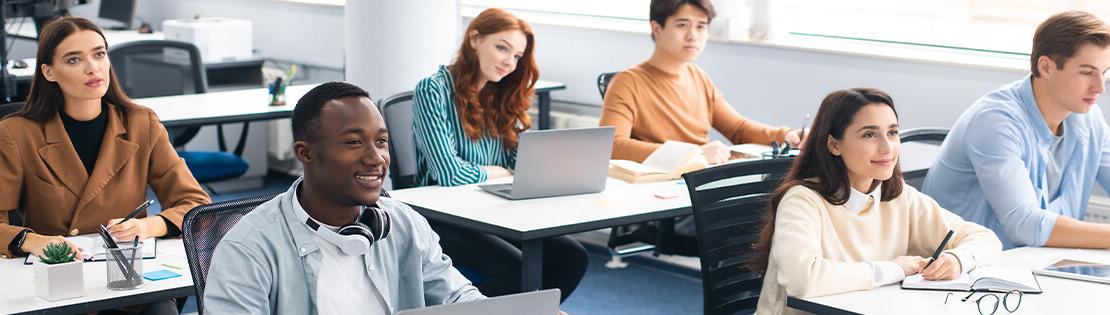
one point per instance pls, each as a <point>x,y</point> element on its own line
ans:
<point>81,154</point>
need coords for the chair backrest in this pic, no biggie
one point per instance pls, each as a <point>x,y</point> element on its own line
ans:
<point>204,227</point>
<point>603,82</point>
<point>10,108</point>
<point>150,68</point>
<point>728,202</point>
<point>934,136</point>
<point>931,135</point>
<point>397,110</point>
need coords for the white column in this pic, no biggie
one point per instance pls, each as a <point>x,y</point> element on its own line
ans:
<point>390,45</point>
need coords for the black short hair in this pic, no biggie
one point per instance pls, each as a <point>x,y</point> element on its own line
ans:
<point>306,115</point>
<point>663,9</point>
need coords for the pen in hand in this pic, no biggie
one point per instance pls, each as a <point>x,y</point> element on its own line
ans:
<point>140,208</point>
<point>936,254</point>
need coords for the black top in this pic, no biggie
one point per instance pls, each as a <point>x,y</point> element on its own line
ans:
<point>86,136</point>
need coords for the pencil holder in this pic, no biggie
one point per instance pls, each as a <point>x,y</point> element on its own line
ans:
<point>125,266</point>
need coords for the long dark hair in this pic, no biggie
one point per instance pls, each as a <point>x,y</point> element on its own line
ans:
<point>818,169</point>
<point>45,98</point>
<point>500,109</point>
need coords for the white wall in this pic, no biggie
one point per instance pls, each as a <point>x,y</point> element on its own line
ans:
<point>287,31</point>
<point>304,33</point>
<point>771,84</point>
<point>391,45</point>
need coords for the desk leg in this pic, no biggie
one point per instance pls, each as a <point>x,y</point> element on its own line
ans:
<point>531,267</point>
<point>545,109</point>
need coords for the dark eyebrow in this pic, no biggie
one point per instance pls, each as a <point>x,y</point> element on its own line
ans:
<point>875,127</point>
<point>1093,68</point>
<point>357,130</point>
<point>77,52</point>
<point>511,47</point>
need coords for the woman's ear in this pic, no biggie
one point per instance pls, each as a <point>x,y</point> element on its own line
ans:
<point>48,73</point>
<point>834,146</point>
<point>473,38</point>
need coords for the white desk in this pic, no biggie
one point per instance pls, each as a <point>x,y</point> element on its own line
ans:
<point>223,107</point>
<point>1061,296</point>
<point>529,221</point>
<point>17,294</point>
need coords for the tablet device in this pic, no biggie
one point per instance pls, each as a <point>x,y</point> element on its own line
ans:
<point>1077,269</point>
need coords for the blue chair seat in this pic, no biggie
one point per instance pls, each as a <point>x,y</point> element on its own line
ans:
<point>209,166</point>
<point>475,277</point>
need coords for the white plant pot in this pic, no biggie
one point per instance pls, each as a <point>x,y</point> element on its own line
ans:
<point>59,281</point>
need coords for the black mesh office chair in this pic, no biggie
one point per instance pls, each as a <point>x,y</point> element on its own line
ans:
<point>9,108</point>
<point>623,239</point>
<point>729,203</point>
<point>204,227</point>
<point>934,136</point>
<point>397,111</point>
<point>603,82</point>
<point>151,68</point>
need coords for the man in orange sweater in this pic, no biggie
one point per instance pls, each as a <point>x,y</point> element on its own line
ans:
<point>669,98</point>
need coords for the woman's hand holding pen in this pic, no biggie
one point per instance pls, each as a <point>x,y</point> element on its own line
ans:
<point>947,267</point>
<point>144,228</point>
<point>911,264</point>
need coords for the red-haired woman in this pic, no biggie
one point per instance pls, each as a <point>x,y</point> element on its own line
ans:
<point>467,117</point>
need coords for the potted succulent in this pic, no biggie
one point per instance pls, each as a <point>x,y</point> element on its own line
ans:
<point>59,275</point>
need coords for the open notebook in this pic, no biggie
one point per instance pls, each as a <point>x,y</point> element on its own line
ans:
<point>93,247</point>
<point>998,279</point>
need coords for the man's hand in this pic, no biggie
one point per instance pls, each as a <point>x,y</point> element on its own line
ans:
<point>794,138</point>
<point>715,152</point>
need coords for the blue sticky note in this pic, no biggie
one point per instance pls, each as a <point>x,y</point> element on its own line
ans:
<point>160,275</point>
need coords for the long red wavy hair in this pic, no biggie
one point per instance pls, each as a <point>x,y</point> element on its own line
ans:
<point>500,109</point>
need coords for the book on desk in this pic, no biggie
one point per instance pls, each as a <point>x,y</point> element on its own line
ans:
<point>669,161</point>
<point>92,247</point>
<point>995,279</point>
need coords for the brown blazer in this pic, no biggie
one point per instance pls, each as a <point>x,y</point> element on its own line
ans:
<point>42,176</point>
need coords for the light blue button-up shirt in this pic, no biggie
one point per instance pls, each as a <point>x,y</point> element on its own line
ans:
<point>268,264</point>
<point>992,169</point>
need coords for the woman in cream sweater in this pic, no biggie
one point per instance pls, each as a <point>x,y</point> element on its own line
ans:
<point>843,220</point>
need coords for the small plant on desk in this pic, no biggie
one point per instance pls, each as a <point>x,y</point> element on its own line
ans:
<point>58,253</point>
<point>59,275</point>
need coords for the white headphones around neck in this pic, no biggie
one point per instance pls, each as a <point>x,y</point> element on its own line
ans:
<point>355,238</point>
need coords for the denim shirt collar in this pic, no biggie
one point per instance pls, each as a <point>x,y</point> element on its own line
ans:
<point>302,237</point>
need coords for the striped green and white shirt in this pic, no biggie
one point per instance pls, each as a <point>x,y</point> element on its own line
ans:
<point>445,155</point>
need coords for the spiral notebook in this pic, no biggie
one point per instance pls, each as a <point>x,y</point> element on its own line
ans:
<point>997,279</point>
<point>93,247</point>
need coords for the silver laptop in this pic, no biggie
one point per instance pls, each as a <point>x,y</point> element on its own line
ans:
<point>559,162</point>
<point>535,302</point>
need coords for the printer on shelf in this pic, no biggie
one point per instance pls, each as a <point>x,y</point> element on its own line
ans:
<point>217,38</point>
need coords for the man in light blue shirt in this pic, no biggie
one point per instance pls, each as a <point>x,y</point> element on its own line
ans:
<point>304,253</point>
<point>1023,159</point>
